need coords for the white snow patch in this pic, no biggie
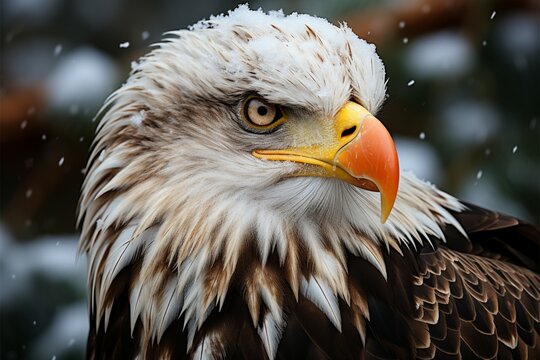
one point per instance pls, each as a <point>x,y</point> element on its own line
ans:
<point>22,261</point>
<point>418,157</point>
<point>441,55</point>
<point>490,196</point>
<point>38,11</point>
<point>69,326</point>
<point>518,34</point>
<point>137,118</point>
<point>469,122</point>
<point>84,77</point>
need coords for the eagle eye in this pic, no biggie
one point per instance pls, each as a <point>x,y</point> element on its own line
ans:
<point>259,113</point>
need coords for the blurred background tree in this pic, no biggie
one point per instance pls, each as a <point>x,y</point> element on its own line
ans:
<point>464,90</point>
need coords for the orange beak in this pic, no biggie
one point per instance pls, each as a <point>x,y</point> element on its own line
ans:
<point>360,152</point>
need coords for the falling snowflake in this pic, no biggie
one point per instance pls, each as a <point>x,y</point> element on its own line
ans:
<point>61,161</point>
<point>493,15</point>
<point>57,50</point>
<point>422,136</point>
<point>137,118</point>
<point>479,174</point>
<point>410,83</point>
<point>401,24</point>
<point>124,45</point>
<point>145,35</point>
<point>514,149</point>
<point>405,40</point>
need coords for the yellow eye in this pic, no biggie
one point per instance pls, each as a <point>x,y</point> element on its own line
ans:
<point>259,112</point>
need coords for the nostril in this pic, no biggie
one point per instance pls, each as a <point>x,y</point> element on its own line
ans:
<point>348,131</point>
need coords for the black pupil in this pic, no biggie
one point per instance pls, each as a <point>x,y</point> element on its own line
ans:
<point>262,110</point>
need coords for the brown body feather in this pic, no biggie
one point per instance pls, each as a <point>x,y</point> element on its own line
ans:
<point>463,299</point>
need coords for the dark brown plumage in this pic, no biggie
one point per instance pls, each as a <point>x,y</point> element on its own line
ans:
<point>477,299</point>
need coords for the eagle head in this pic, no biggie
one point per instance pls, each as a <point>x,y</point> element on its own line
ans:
<point>247,140</point>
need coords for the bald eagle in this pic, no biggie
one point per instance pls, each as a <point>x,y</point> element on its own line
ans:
<point>243,201</point>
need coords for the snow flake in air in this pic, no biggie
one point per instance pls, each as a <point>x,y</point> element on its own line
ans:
<point>57,50</point>
<point>479,174</point>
